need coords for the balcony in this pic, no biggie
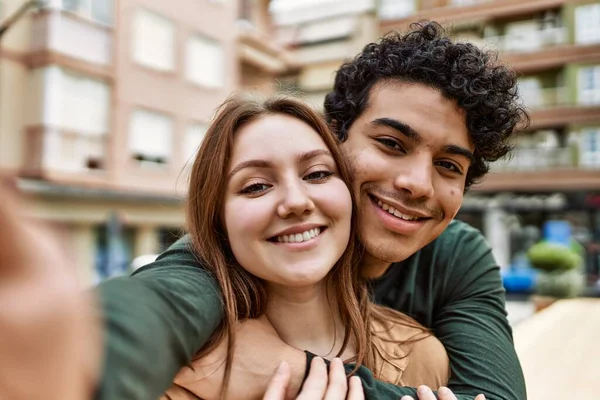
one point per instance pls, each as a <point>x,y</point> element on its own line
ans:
<point>467,11</point>
<point>545,98</point>
<point>541,169</point>
<point>541,180</point>
<point>538,160</point>
<point>54,152</point>
<point>64,38</point>
<point>529,41</point>
<point>256,49</point>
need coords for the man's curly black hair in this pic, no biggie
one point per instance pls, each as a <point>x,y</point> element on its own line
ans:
<point>484,89</point>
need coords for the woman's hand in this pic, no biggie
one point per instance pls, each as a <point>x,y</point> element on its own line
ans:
<point>425,393</point>
<point>49,339</point>
<point>318,384</point>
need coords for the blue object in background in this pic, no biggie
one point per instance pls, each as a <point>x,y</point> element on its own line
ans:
<point>520,278</point>
<point>557,231</point>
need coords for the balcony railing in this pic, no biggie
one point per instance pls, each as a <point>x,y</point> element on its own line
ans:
<point>539,160</point>
<point>531,40</point>
<point>65,151</point>
<point>545,98</point>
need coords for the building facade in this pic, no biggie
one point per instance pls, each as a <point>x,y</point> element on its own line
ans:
<point>102,105</point>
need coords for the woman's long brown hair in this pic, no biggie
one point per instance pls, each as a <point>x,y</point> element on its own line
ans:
<point>244,295</point>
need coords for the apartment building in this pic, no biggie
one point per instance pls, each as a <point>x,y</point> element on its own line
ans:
<point>102,105</point>
<point>319,36</point>
<point>555,170</point>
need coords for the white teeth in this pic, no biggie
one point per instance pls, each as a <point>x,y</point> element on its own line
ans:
<point>394,212</point>
<point>299,237</point>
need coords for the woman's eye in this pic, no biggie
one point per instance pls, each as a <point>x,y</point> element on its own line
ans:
<point>450,166</point>
<point>255,188</point>
<point>390,143</point>
<point>318,175</point>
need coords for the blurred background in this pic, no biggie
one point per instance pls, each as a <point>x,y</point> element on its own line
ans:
<point>104,102</point>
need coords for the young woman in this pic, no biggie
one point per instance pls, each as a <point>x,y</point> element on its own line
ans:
<point>270,214</point>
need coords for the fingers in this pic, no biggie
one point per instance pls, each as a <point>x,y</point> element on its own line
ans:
<point>425,393</point>
<point>355,391</point>
<point>480,397</point>
<point>316,383</point>
<point>338,386</point>
<point>407,398</point>
<point>446,394</point>
<point>279,382</point>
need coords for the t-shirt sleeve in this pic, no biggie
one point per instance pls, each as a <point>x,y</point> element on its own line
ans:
<point>470,320</point>
<point>155,321</point>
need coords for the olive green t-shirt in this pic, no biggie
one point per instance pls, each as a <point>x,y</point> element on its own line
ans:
<point>160,316</point>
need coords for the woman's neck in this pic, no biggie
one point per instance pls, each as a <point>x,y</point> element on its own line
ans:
<point>306,319</point>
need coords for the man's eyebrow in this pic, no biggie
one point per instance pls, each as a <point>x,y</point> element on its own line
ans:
<point>250,164</point>
<point>460,151</point>
<point>412,134</point>
<point>398,126</point>
<point>312,154</point>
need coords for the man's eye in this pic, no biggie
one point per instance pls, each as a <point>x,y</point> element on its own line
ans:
<point>254,188</point>
<point>390,143</point>
<point>450,166</point>
<point>318,175</point>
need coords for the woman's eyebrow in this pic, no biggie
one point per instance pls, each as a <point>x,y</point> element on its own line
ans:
<point>312,154</point>
<point>250,164</point>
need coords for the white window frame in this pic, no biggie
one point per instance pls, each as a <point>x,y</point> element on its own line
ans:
<point>590,157</point>
<point>85,8</point>
<point>589,95</point>
<point>145,40</point>
<point>212,73</point>
<point>587,24</point>
<point>157,152</point>
<point>395,9</point>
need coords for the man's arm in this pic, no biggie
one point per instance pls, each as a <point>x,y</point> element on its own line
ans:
<point>155,321</point>
<point>470,321</point>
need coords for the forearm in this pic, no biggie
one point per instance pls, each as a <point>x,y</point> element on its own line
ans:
<point>154,323</point>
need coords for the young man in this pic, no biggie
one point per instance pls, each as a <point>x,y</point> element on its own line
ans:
<point>420,118</point>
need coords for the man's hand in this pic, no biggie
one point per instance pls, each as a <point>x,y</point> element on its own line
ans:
<point>318,384</point>
<point>50,342</point>
<point>425,393</point>
<point>258,351</point>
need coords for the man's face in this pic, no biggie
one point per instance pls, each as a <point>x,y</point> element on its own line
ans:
<point>410,152</point>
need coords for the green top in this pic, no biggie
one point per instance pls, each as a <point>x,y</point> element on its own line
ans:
<point>452,285</point>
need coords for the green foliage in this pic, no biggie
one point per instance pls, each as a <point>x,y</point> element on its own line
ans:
<point>548,256</point>
<point>560,284</point>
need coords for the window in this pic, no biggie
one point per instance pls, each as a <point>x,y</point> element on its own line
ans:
<point>97,10</point>
<point>84,104</point>
<point>530,91</point>
<point>589,85</point>
<point>204,63</point>
<point>587,24</point>
<point>150,137</point>
<point>76,110</point>
<point>193,139</point>
<point>153,41</point>
<point>590,147</point>
<point>390,9</point>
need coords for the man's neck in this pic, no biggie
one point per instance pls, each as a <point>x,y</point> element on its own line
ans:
<point>371,267</point>
<point>304,318</point>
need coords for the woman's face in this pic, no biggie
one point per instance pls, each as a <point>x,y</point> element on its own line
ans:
<point>287,212</point>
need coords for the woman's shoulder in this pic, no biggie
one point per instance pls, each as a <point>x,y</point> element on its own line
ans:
<point>408,354</point>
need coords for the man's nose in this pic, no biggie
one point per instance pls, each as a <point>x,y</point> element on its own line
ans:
<point>416,177</point>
